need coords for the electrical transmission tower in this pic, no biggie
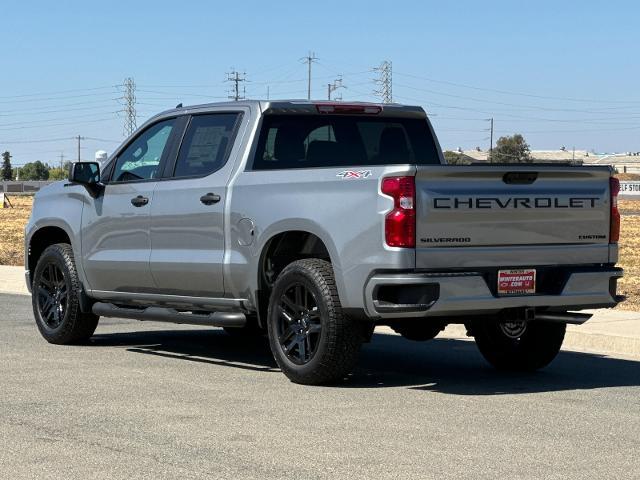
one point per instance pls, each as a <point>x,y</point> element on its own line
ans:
<point>237,78</point>
<point>332,87</point>
<point>384,82</point>
<point>129,101</point>
<point>309,60</point>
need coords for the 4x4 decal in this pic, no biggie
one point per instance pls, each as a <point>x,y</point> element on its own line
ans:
<point>348,174</point>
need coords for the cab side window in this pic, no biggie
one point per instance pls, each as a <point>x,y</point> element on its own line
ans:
<point>141,159</point>
<point>206,144</point>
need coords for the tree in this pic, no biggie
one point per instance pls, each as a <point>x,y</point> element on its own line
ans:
<point>512,149</point>
<point>7,171</point>
<point>58,173</point>
<point>455,158</point>
<point>34,171</point>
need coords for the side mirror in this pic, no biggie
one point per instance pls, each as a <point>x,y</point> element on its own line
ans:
<point>88,175</point>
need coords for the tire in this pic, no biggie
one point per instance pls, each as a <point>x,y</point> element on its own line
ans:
<point>417,329</point>
<point>55,298</point>
<point>251,329</point>
<point>311,339</point>
<point>519,350</point>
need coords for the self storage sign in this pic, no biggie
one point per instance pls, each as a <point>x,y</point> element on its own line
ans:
<point>630,189</point>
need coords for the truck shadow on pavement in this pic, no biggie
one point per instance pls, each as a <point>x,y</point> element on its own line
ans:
<point>441,365</point>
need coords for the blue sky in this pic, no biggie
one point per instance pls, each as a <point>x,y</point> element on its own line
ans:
<point>562,73</point>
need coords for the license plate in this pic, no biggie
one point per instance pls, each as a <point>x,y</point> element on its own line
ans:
<point>521,281</point>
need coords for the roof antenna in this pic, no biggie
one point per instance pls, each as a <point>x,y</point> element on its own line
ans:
<point>179,105</point>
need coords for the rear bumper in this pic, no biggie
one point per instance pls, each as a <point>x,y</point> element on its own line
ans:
<point>468,293</point>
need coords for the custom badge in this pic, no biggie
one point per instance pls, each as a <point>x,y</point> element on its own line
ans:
<point>354,174</point>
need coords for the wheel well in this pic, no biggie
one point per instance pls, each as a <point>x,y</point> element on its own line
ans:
<point>40,240</point>
<point>280,251</point>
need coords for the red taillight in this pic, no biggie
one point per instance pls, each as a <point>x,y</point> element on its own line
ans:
<point>614,228</point>
<point>400,223</point>
<point>344,108</point>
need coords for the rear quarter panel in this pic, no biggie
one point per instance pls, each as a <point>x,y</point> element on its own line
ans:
<point>346,214</point>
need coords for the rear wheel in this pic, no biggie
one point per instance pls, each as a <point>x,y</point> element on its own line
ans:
<point>55,297</point>
<point>518,345</point>
<point>312,341</point>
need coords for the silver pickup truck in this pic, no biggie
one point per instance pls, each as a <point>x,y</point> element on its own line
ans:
<point>313,222</point>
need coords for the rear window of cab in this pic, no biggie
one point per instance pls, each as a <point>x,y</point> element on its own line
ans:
<point>311,141</point>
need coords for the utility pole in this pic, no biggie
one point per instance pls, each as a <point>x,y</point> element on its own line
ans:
<point>237,78</point>
<point>61,161</point>
<point>332,87</point>
<point>491,135</point>
<point>79,138</point>
<point>384,82</point>
<point>129,101</point>
<point>309,59</point>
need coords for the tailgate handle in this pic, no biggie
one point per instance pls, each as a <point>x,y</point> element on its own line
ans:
<point>520,178</point>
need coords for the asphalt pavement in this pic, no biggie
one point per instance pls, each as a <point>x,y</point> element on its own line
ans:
<point>150,400</point>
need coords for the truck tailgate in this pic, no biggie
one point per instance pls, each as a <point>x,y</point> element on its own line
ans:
<point>511,206</point>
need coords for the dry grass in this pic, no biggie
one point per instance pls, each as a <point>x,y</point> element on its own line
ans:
<point>630,254</point>
<point>628,176</point>
<point>12,223</point>
<point>13,220</point>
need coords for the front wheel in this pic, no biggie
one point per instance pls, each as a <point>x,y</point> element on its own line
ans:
<point>56,294</point>
<point>312,341</point>
<point>518,345</point>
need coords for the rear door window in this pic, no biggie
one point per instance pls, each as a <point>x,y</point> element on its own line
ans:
<point>206,144</point>
<point>308,141</point>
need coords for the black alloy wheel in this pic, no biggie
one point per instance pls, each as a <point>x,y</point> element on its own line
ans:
<point>56,294</point>
<point>311,338</point>
<point>52,295</point>
<point>299,326</point>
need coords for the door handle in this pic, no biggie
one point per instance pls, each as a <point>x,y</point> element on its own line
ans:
<point>139,201</point>
<point>210,198</point>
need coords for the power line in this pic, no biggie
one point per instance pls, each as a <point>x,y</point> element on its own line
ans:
<point>496,102</point>
<point>47,99</point>
<point>45,121</point>
<point>59,124</point>
<point>10,142</point>
<point>384,82</point>
<point>56,92</point>
<point>91,105</point>
<point>237,78</point>
<point>507,92</point>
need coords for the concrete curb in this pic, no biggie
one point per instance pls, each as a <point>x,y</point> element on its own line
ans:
<point>12,280</point>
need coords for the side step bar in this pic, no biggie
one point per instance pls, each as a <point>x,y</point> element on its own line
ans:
<point>157,314</point>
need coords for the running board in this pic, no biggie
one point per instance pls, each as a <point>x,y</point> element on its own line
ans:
<point>158,314</point>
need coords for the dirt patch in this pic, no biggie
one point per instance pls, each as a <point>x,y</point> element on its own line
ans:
<point>630,255</point>
<point>628,176</point>
<point>12,223</point>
